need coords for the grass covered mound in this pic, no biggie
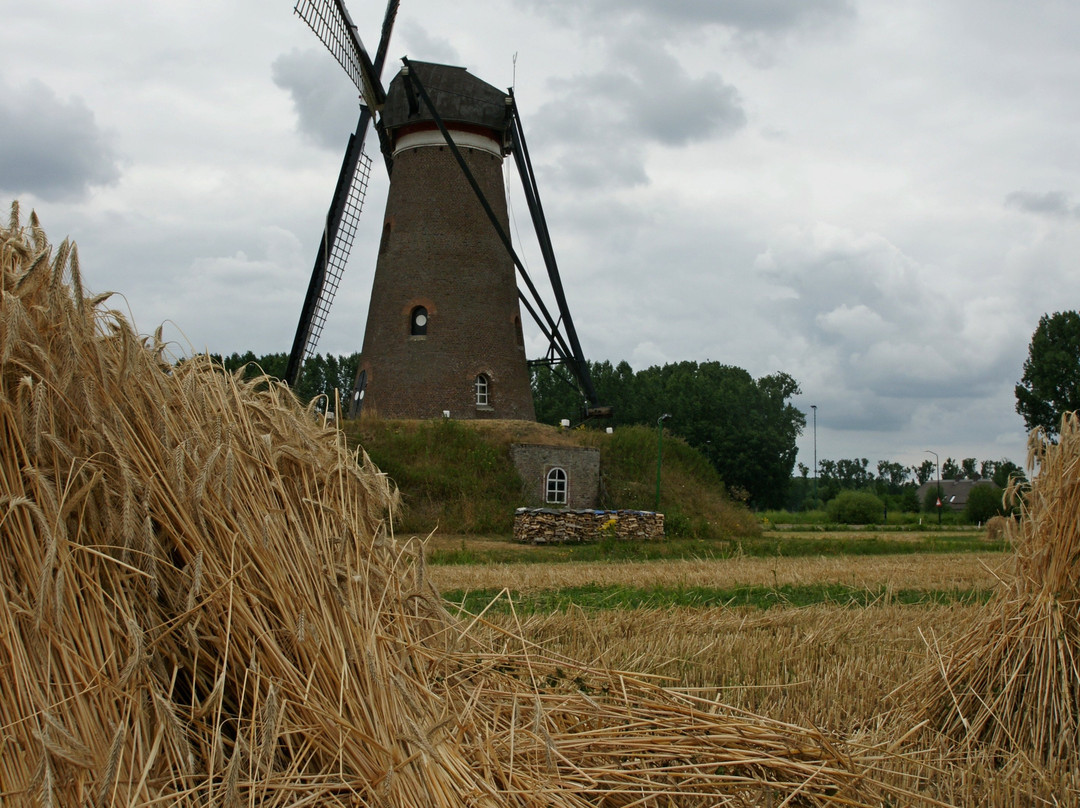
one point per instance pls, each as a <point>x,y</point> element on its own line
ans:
<point>201,605</point>
<point>1012,684</point>
<point>425,459</point>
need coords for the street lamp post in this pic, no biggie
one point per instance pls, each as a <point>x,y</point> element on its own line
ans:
<point>660,452</point>
<point>814,408</point>
<point>937,466</point>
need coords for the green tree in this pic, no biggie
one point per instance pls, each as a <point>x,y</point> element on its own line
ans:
<point>1004,471</point>
<point>746,427</point>
<point>1050,386</point>
<point>555,395</point>
<point>924,472</point>
<point>320,375</point>
<point>891,476</point>
<point>950,470</point>
<point>984,501</point>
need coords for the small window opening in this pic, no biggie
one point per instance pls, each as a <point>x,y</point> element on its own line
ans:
<point>556,486</point>
<point>482,386</point>
<point>384,242</point>
<point>418,322</point>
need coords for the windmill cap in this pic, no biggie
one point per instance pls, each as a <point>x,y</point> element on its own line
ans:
<point>458,96</point>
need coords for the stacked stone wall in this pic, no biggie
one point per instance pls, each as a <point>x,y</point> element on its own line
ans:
<point>555,526</point>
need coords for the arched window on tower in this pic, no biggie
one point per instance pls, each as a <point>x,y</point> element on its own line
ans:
<point>418,322</point>
<point>556,486</point>
<point>483,386</point>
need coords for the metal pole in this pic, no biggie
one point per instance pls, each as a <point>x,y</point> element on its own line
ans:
<point>937,465</point>
<point>659,452</point>
<point>814,408</point>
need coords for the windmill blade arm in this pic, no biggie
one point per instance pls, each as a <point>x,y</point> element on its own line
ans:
<point>334,27</point>
<point>536,210</point>
<point>555,342</point>
<point>334,248</point>
<point>384,37</point>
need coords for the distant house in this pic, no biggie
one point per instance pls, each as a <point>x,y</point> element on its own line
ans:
<point>954,493</point>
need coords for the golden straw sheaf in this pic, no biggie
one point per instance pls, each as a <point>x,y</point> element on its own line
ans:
<point>1011,685</point>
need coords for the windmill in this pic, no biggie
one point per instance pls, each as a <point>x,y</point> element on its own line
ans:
<point>443,332</point>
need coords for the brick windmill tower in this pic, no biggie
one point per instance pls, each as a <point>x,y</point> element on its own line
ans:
<point>444,332</point>
<point>444,326</point>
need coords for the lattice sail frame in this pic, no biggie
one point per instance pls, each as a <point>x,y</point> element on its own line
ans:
<point>338,251</point>
<point>331,23</point>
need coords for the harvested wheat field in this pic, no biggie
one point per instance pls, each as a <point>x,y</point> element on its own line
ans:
<point>931,571</point>
<point>835,667</point>
<point>203,605</point>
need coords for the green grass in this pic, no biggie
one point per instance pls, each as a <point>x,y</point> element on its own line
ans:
<point>756,547</point>
<point>594,597</point>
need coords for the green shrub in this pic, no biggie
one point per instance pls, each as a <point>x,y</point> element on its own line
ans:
<point>856,508</point>
<point>984,501</point>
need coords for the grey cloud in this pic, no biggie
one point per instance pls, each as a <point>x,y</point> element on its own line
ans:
<point>52,148</point>
<point>689,110</point>
<point>606,119</point>
<point>327,104</point>
<point>1047,203</point>
<point>420,43</point>
<point>880,318</point>
<point>744,16</point>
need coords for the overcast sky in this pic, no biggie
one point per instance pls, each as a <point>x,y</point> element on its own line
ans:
<point>877,198</point>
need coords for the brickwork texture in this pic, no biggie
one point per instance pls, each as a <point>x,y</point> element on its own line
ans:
<point>440,251</point>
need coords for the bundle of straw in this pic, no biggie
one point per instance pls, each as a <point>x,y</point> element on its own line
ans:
<point>202,604</point>
<point>1012,683</point>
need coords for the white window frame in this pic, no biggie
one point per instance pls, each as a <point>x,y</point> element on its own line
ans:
<point>556,483</point>
<point>482,386</point>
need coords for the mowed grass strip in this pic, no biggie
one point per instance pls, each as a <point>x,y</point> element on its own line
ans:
<point>446,551</point>
<point>593,597</point>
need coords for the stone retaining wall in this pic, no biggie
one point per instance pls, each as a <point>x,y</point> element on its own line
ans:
<point>562,526</point>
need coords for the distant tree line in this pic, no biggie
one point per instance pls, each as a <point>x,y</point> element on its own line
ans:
<point>896,486</point>
<point>745,427</point>
<point>320,375</point>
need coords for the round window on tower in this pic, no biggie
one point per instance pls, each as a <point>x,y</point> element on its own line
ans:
<point>418,322</point>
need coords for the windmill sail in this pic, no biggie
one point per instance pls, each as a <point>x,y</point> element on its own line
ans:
<point>334,249</point>
<point>331,23</point>
<point>334,27</point>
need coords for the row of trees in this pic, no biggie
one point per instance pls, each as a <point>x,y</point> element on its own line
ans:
<point>322,374</point>
<point>895,485</point>
<point>892,478</point>
<point>746,427</point>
